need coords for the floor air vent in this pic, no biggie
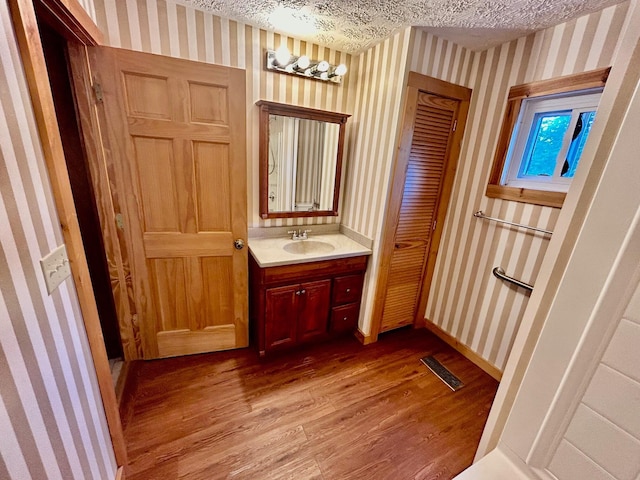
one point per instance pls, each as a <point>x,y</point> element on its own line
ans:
<point>442,373</point>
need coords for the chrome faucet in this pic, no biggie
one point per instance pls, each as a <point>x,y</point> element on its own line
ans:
<point>298,235</point>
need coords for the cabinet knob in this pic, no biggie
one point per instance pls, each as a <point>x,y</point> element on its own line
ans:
<point>344,319</point>
<point>303,291</point>
<point>348,290</point>
<point>298,292</point>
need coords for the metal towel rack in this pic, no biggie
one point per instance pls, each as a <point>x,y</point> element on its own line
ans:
<point>499,273</point>
<point>480,214</point>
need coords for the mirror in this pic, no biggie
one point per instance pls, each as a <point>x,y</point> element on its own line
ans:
<point>300,160</point>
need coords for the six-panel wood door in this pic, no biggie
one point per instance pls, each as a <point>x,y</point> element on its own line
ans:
<point>174,134</point>
<point>430,145</point>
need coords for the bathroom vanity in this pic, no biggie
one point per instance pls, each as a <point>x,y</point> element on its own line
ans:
<point>304,290</point>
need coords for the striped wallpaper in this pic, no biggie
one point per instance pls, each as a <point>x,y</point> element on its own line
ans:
<point>378,97</point>
<point>88,7</point>
<point>443,59</point>
<point>51,416</point>
<point>162,27</point>
<point>465,299</point>
<point>376,116</point>
<point>327,183</point>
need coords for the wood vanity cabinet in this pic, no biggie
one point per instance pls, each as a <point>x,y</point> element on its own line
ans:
<point>295,304</point>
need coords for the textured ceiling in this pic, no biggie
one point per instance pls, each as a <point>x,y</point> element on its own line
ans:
<point>354,25</point>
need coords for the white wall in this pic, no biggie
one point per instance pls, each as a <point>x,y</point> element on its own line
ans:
<point>603,436</point>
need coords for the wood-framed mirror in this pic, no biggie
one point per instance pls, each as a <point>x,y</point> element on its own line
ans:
<point>300,160</point>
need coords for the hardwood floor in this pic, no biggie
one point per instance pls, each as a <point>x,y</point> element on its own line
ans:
<point>332,411</point>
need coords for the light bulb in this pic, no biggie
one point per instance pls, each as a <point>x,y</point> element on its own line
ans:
<point>338,71</point>
<point>302,63</point>
<point>282,55</point>
<point>323,66</point>
<point>341,69</point>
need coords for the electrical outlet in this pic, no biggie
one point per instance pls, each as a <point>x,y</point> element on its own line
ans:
<point>55,268</point>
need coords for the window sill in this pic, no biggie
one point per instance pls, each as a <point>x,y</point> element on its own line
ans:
<point>525,195</point>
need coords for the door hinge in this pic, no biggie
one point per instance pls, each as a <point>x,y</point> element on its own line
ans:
<point>455,125</point>
<point>97,91</point>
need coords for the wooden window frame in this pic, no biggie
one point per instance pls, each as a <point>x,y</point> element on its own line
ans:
<point>518,93</point>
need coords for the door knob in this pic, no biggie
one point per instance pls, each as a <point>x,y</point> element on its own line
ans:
<point>239,244</point>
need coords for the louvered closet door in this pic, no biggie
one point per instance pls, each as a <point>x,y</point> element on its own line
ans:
<point>430,145</point>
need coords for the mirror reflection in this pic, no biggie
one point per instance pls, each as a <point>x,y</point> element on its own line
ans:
<point>300,160</point>
<point>301,164</point>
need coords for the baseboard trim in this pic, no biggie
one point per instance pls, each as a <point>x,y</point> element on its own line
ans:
<point>126,390</point>
<point>120,473</point>
<point>362,338</point>
<point>463,349</point>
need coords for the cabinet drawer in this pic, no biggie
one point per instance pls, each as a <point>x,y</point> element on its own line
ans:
<point>347,289</point>
<point>344,318</point>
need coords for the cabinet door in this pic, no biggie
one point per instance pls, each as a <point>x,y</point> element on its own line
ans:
<point>313,311</point>
<point>281,316</point>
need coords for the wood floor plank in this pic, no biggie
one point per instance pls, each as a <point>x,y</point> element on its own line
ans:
<point>337,410</point>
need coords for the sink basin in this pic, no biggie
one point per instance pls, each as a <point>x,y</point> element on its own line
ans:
<point>302,247</point>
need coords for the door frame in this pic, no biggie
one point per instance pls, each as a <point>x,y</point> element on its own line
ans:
<point>78,27</point>
<point>417,83</point>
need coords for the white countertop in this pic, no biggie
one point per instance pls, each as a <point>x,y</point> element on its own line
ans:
<point>269,251</point>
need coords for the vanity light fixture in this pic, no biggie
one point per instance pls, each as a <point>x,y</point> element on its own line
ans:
<point>282,61</point>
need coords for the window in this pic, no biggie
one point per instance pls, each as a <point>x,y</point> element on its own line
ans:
<point>543,135</point>
<point>548,140</point>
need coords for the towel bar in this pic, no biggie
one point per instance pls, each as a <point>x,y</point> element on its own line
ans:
<point>499,273</point>
<point>480,214</point>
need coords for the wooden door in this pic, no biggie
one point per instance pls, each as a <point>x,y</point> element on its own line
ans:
<point>433,126</point>
<point>423,176</point>
<point>281,316</point>
<point>313,312</point>
<point>174,138</point>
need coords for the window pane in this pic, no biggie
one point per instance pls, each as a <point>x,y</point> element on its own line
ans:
<point>579,138</point>
<point>544,143</point>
